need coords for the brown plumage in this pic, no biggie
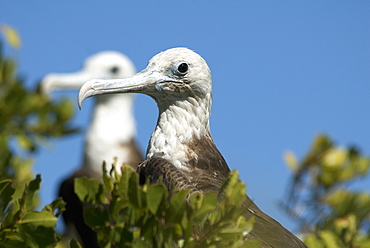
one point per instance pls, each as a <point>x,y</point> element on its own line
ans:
<point>156,168</point>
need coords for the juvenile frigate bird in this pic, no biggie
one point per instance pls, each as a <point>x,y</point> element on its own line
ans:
<point>181,145</point>
<point>111,132</point>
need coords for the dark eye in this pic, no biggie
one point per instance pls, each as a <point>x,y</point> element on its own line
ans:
<point>183,67</point>
<point>114,70</point>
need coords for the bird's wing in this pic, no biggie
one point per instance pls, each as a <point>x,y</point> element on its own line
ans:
<point>156,168</point>
<point>268,231</point>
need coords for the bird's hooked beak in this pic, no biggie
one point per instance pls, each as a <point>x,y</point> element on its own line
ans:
<point>146,82</point>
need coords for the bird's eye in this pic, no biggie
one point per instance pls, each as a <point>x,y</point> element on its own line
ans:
<point>183,67</point>
<point>114,70</point>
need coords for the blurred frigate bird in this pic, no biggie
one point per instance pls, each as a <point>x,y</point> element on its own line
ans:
<point>111,133</point>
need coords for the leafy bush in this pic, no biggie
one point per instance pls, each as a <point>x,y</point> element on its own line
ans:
<point>329,213</point>
<point>125,214</point>
<point>20,224</point>
<point>27,119</point>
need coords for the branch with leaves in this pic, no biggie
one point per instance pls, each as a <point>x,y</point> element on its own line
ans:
<point>20,224</point>
<point>329,213</point>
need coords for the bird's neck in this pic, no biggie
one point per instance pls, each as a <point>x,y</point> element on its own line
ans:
<point>178,126</point>
<point>112,127</point>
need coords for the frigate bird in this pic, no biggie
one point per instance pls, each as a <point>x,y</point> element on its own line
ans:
<point>181,145</point>
<point>111,132</point>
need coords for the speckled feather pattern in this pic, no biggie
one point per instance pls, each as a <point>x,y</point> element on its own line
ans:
<point>173,134</point>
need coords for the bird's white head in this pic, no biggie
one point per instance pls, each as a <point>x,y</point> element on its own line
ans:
<point>105,64</point>
<point>171,76</point>
<point>179,80</point>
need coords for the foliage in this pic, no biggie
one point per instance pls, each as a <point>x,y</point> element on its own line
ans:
<point>20,224</point>
<point>27,118</point>
<point>125,214</point>
<point>329,213</point>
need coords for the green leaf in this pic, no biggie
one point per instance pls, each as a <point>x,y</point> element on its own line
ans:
<point>25,142</point>
<point>89,190</point>
<point>122,185</point>
<point>291,161</point>
<point>56,207</point>
<point>31,197</point>
<point>6,194</point>
<point>96,216</point>
<point>313,241</point>
<point>155,196</point>
<point>11,35</point>
<point>331,240</point>
<point>11,239</point>
<point>177,207</point>
<point>207,206</point>
<point>12,215</point>
<point>149,228</point>
<point>108,181</point>
<point>44,218</point>
<point>134,192</point>
<point>235,189</point>
<point>74,244</point>
<point>38,236</point>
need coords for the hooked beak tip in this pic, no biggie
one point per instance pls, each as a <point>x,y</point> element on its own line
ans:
<point>79,101</point>
<point>80,105</point>
<point>86,91</point>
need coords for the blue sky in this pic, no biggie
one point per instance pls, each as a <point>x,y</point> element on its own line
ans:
<point>282,73</point>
